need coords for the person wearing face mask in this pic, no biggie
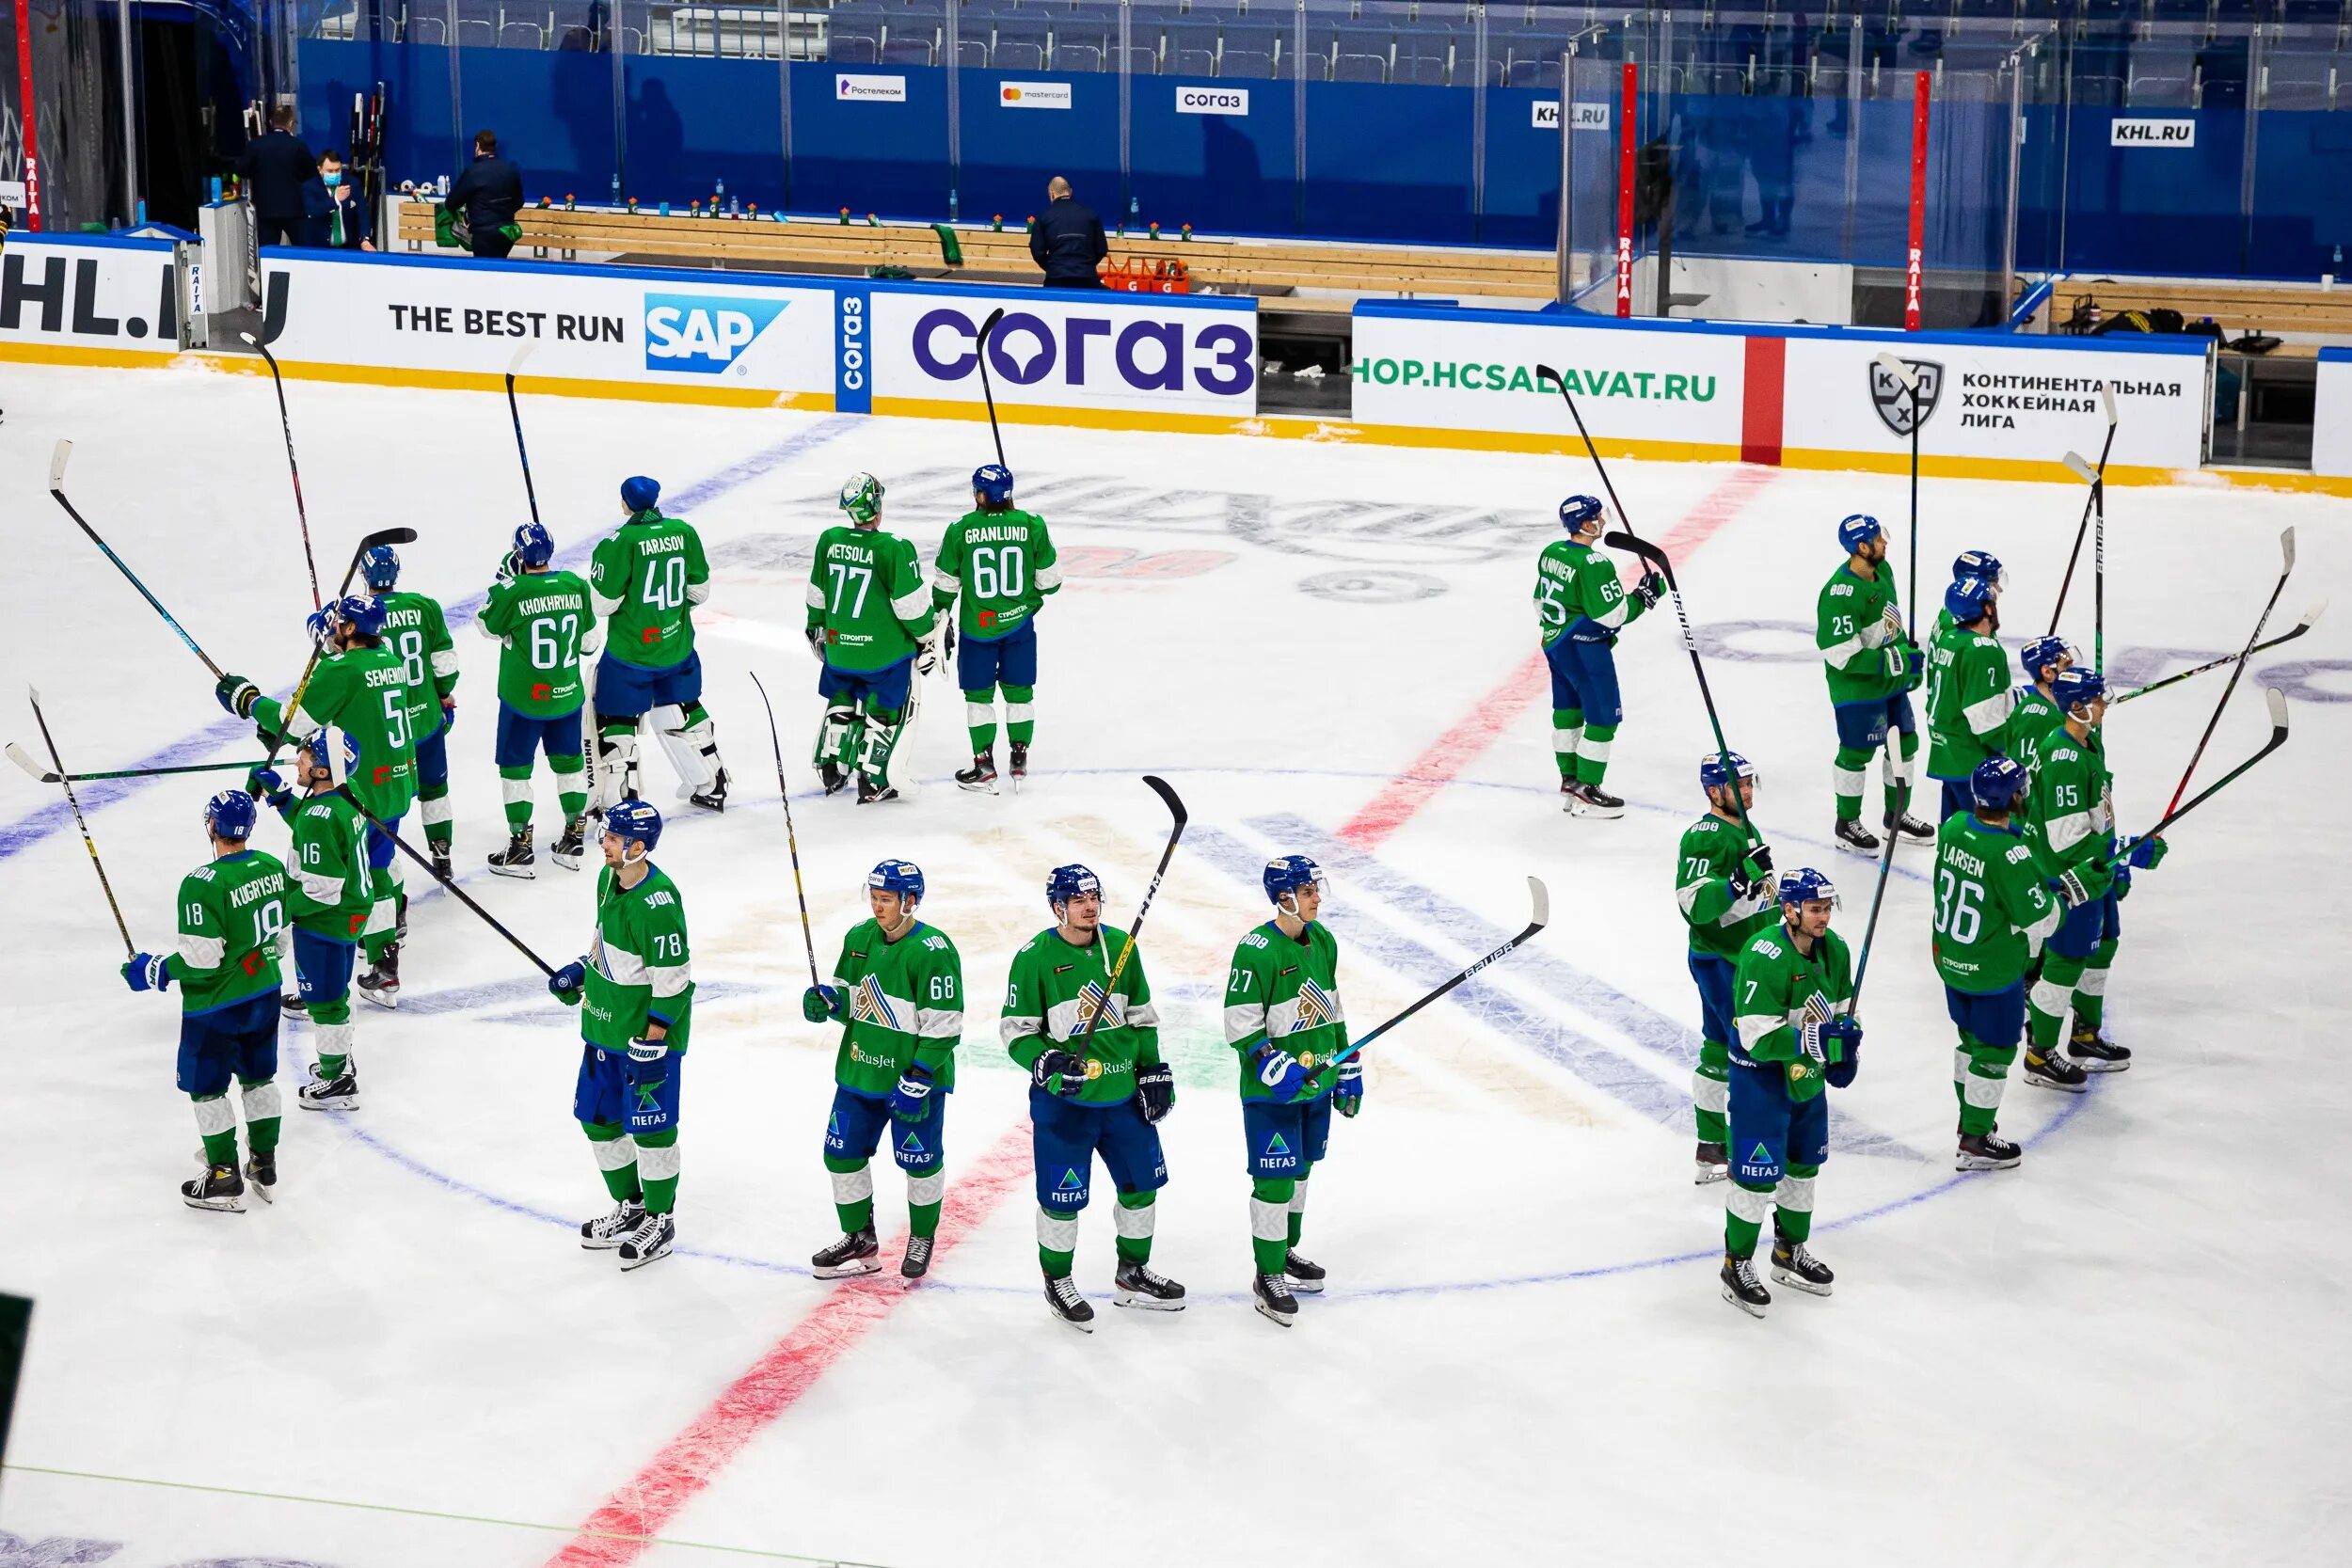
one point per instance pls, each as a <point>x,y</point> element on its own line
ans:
<point>334,216</point>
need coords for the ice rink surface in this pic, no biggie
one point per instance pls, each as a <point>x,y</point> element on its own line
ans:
<point>2129,1350</point>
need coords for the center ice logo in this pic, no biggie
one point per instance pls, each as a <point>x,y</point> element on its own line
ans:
<point>703,333</point>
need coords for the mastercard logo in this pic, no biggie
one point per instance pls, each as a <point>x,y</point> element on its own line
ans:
<point>1011,94</point>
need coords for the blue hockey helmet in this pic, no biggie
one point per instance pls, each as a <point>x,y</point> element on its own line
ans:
<point>1968,600</point>
<point>2073,689</point>
<point>992,484</point>
<point>1579,512</point>
<point>1998,781</point>
<point>2042,653</point>
<point>903,878</point>
<point>1287,874</point>
<point>379,568</point>
<point>534,544</point>
<point>1805,885</point>
<point>1858,530</point>
<point>1982,564</point>
<point>634,821</point>
<point>229,815</point>
<point>1718,769</point>
<point>362,613</point>
<point>1065,882</point>
<point>640,494</point>
<point>340,760</point>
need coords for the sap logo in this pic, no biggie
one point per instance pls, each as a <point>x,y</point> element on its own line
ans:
<point>703,333</point>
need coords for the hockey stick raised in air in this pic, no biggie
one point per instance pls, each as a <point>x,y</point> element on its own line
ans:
<point>514,369</point>
<point>130,949</point>
<point>18,755</point>
<point>1536,921</point>
<point>1135,932</point>
<point>2096,477</point>
<point>381,536</point>
<point>987,391</point>
<point>791,842</point>
<point>2301,626</point>
<point>458,892</point>
<point>285,422</point>
<point>2286,569</point>
<point>2278,700</point>
<point>63,454</point>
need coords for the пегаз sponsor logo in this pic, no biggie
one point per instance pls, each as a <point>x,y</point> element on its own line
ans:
<point>1473,376</point>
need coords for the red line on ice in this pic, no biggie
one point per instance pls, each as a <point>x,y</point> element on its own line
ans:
<point>645,1505</point>
<point>1404,796</point>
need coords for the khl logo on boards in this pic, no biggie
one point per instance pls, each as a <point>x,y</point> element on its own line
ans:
<point>1894,404</point>
<point>703,333</point>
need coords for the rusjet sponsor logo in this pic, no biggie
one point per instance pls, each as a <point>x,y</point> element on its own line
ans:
<point>703,333</point>
<point>2152,133</point>
<point>1212,100</point>
<point>1471,376</point>
<point>1145,354</point>
<point>870,89</point>
<point>1034,95</point>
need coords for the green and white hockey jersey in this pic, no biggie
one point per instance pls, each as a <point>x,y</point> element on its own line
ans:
<point>1969,698</point>
<point>641,968</point>
<point>327,862</point>
<point>2032,717</point>
<point>1859,630</point>
<point>363,693</point>
<point>2073,825</point>
<point>544,628</point>
<point>902,1006</point>
<point>1778,988</point>
<point>647,578</point>
<point>415,628</point>
<point>230,913</point>
<point>1992,911</point>
<point>1577,590</point>
<point>1003,565</point>
<point>1720,920</point>
<point>1286,990</point>
<point>1056,987</point>
<point>867,594</point>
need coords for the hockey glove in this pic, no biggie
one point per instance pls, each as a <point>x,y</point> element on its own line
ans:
<point>819,1003</point>
<point>237,695</point>
<point>1347,1095</point>
<point>1895,663</point>
<point>1758,863</point>
<point>2122,883</point>
<point>815,636</point>
<point>449,715</point>
<point>569,983</point>
<point>948,648</point>
<point>320,625</point>
<point>1058,1073</point>
<point>1650,590</point>
<point>264,783</point>
<point>912,1100</point>
<point>147,972</point>
<point>510,567</point>
<point>2145,854</point>
<point>1281,1072</point>
<point>1847,1034</point>
<point>2070,887</point>
<point>1155,1091</point>
<point>643,1051</point>
<point>927,653</point>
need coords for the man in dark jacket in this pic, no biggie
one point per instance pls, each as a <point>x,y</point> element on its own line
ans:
<point>337,215</point>
<point>1068,241</point>
<point>489,194</point>
<point>276,167</point>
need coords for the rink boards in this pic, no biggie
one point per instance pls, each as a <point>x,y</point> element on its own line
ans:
<point>1997,406</point>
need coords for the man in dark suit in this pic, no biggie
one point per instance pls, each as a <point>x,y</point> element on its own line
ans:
<point>489,194</point>
<point>276,167</point>
<point>1068,241</point>
<point>338,215</point>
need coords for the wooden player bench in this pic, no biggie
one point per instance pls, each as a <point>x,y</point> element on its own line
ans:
<point>2236,306</point>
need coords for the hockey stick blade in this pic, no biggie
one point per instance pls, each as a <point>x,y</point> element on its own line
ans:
<point>2286,550</point>
<point>2106,400</point>
<point>2277,701</point>
<point>383,536</point>
<point>18,755</point>
<point>1618,539</point>
<point>515,366</point>
<point>59,455</point>
<point>1538,917</point>
<point>2318,609</point>
<point>1897,369</point>
<point>1167,793</point>
<point>2083,471</point>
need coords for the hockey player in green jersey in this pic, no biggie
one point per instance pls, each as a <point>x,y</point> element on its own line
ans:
<point>1581,607</point>
<point>1723,883</point>
<point>635,991</point>
<point>1966,565</point>
<point>231,912</point>
<point>415,628</point>
<point>871,626</point>
<point>1284,1019</point>
<point>1993,911</point>
<point>328,898</point>
<point>644,580</point>
<point>1873,668</point>
<point>546,631</point>
<point>1079,1019</point>
<point>1969,696</point>
<point>2073,833</point>
<point>1001,561</point>
<point>360,688</point>
<point>1796,1037</point>
<point>898,993</point>
<point>2033,715</point>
